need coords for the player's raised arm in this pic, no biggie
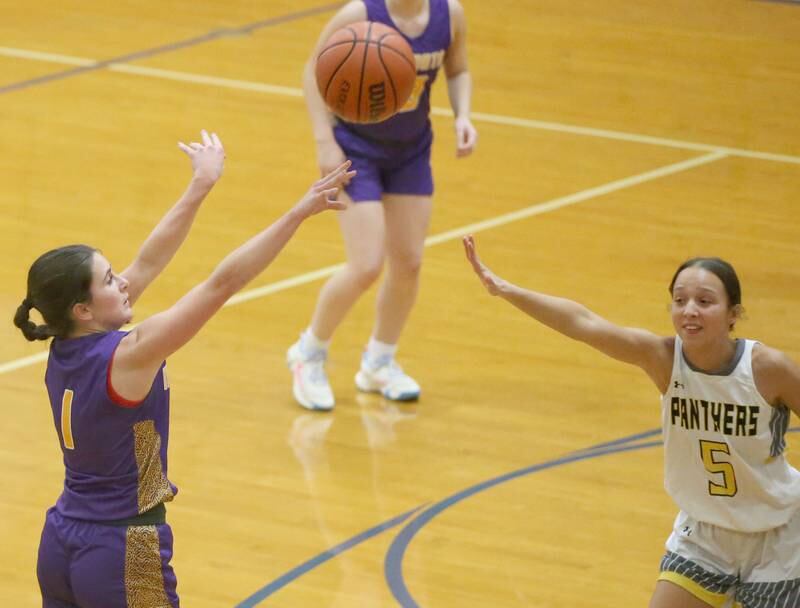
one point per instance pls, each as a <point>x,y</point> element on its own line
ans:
<point>160,246</point>
<point>142,351</point>
<point>635,346</point>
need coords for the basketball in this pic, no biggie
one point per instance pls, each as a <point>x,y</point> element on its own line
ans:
<point>366,72</point>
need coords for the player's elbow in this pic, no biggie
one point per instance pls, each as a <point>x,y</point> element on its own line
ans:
<point>223,284</point>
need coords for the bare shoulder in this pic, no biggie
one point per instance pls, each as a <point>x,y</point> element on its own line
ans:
<point>768,361</point>
<point>663,354</point>
<point>667,347</point>
<point>456,10</point>
<point>353,11</point>
<point>774,373</point>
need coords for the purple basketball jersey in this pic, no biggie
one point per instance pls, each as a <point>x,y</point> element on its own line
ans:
<point>411,123</point>
<point>115,452</point>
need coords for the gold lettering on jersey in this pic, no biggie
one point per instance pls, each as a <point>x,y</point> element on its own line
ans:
<point>726,418</point>
<point>416,93</point>
<point>429,61</point>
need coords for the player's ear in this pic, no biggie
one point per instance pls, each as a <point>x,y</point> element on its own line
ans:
<point>82,312</point>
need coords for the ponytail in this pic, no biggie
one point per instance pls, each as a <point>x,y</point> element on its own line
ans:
<point>57,280</point>
<point>30,330</point>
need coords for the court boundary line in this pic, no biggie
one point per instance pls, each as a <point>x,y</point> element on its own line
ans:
<point>115,65</point>
<point>449,235</point>
<point>94,65</point>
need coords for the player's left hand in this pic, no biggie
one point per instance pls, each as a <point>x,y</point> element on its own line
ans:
<point>208,158</point>
<point>490,280</point>
<point>466,137</point>
<point>322,194</point>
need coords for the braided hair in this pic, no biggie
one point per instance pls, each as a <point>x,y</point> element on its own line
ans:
<point>57,281</point>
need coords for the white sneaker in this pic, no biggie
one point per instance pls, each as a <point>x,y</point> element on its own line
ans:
<point>310,383</point>
<point>389,380</point>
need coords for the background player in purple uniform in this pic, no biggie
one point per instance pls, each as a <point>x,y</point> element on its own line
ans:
<point>393,163</point>
<point>105,543</point>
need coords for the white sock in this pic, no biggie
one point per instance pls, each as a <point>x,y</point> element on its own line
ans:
<point>310,345</point>
<point>379,353</point>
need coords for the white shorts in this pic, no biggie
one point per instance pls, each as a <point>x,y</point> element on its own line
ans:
<point>724,567</point>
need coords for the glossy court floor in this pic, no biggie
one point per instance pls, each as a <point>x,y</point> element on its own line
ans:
<point>616,139</point>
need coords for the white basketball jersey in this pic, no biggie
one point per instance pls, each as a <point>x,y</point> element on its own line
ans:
<point>723,447</point>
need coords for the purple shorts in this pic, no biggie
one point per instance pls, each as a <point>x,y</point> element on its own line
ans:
<point>90,565</point>
<point>387,167</point>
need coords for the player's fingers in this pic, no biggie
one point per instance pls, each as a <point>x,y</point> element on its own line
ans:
<point>185,148</point>
<point>341,169</point>
<point>325,172</point>
<point>196,146</point>
<point>347,177</point>
<point>205,137</point>
<point>215,140</point>
<point>337,174</point>
<point>469,241</point>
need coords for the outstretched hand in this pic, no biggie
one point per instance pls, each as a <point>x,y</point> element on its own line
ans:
<point>490,281</point>
<point>207,158</point>
<point>322,194</point>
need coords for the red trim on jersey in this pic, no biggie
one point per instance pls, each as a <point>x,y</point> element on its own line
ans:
<point>114,395</point>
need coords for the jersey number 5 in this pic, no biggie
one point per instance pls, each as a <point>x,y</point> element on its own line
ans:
<point>66,419</point>
<point>728,487</point>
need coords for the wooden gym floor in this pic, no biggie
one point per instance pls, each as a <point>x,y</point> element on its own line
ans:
<point>617,139</point>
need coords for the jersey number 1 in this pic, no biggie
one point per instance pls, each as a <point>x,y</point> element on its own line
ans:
<point>728,486</point>
<point>66,419</point>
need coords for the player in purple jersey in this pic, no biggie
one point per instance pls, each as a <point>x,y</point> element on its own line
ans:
<point>106,543</point>
<point>392,194</point>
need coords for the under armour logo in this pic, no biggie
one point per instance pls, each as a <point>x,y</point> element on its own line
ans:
<point>678,385</point>
<point>687,530</point>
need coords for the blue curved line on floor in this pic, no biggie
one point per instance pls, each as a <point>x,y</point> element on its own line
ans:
<point>610,447</point>
<point>622,440</point>
<point>323,557</point>
<point>393,564</point>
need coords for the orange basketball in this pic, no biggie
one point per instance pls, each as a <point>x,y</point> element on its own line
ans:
<point>365,72</point>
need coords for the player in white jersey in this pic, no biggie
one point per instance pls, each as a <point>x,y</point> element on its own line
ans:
<point>725,411</point>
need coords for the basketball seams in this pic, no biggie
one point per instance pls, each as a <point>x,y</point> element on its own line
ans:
<point>375,71</point>
<point>394,50</point>
<point>363,68</point>
<point>338,67</point>
<point>388,75</point>
<point>352,41</point>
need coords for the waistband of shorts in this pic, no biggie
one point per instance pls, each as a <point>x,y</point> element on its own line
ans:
<point>154,517</point>
<point>390,144</point>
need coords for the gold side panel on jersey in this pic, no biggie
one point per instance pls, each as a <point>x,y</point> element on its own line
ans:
<point>153,485</point>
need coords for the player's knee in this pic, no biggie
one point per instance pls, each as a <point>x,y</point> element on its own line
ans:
<point>367,272</point>
<point>406,266</point>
